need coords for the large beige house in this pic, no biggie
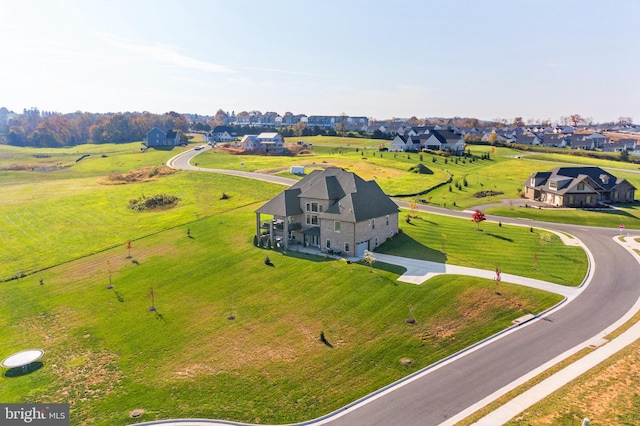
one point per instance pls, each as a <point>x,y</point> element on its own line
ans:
<point>578,187</point>
<point>333,210</point>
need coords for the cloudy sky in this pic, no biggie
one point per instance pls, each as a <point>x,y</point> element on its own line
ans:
<point>538,59</point>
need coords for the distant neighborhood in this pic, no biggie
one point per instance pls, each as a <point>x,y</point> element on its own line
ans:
<point>267,131</point>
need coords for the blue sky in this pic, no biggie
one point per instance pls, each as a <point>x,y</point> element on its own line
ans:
<point>486,59</point>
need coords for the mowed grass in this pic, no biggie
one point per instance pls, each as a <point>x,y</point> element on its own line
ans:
<point>513,249</point>
<point>627,215</point>
<point>107,354</point>
<point>72,214</point>
<point>504,173</point>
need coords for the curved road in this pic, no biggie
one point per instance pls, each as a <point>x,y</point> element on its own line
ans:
<point>440,392</point>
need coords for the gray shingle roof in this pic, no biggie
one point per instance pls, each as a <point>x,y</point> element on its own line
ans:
<point>285,203</point>
<point>351,198</point>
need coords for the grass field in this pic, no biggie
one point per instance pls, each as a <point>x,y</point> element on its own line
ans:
<point>628,215</point>
<point>513,249</point>
<point>108,355</point>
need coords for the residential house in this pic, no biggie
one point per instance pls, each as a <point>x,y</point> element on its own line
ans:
<point>530,140</point>
<point>599,140</point>
<point>223,134</point>
<point>578,187</point>
<point>269,143</point>
<point>555,140</point>
<point>582,143</point>
<point>620,145</point>
<point>333,210</point>
<point>358,124</point>
<point>322,121</point>
<point>444,140</point>
<point>565,130</point>
<point>499,137</point>
<point>158,137</point>
<point>400,144</point>
<point>419,130</point>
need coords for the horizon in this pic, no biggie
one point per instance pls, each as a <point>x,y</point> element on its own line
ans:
<point>539,60</point>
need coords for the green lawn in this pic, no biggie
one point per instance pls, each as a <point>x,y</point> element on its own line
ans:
<point>107,355</point>
<point>628,215</point>
<point>512,249</point>
<point>51,217</point>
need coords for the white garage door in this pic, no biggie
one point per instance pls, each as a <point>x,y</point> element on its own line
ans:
<point>361,248</point>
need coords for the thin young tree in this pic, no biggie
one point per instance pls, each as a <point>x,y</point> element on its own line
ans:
<point>478,217</point>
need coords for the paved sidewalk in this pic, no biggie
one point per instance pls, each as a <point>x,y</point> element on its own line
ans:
<point>564,376</point>
<point>419,271</point>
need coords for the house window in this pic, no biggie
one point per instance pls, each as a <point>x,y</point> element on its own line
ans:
<point>336,226</point>
<point>581,186</point>
<point>372,223</point>
<point>313,207</point>
<point>387,221</point>
<point>570,199</point>
<point>328,244</point>
<point>312,219</point>
<point>553,184</point>
<point>376,241</point>
<point>588,199</point>
<point>346,247</point>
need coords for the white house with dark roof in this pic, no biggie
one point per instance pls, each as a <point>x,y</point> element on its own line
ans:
<point>223,134</point>
<point>578,187</point>
<point>444,140</point>
<point>333,210</point>
<point>528,140</point>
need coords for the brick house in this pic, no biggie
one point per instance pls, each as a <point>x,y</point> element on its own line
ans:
<point>578,187</point>
<point>333,210</point>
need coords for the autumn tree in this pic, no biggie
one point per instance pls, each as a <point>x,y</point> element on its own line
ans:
<point>478,217</point>
<point>518,122</point>
<point>576,119</point>
<point>221,118</point>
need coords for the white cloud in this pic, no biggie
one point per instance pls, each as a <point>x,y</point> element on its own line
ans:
<point>166,54</point>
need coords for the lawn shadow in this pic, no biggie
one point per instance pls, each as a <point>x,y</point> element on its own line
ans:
<point>324,340</point>
<point>500,237</point>
<point>613,212</point>
<point>23,371</point>
<point>307,256</point>
<point>163,147</point>
<point>405,246</point>
<point>118,296</point>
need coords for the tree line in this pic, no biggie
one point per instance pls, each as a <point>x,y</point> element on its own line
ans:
<point>47,129</point>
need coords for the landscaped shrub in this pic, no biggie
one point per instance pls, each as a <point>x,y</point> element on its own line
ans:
<point>421,169</point>
<point>159,201</point>
<point>482,194</point>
